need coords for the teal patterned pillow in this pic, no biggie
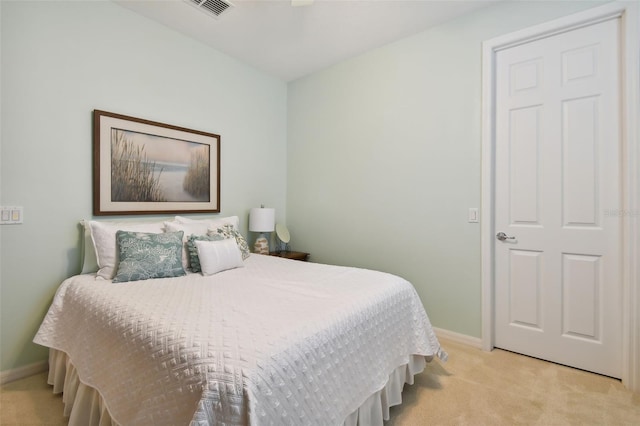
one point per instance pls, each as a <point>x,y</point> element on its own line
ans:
<point>144,255</point>
<point>229,231</point>
<point>192,250</point>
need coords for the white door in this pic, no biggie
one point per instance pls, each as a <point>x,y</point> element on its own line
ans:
<point>557,187</point>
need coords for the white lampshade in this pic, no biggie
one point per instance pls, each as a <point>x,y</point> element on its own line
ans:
<point>262,219</point>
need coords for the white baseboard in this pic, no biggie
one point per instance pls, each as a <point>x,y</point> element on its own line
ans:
<point>458,338</point>
<point>22,372</point>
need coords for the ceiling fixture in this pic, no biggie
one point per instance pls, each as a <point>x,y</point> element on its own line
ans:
<point>211,7</point>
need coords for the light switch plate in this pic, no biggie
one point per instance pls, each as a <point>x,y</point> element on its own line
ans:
<point>11,215</point>
<point>474,215</point>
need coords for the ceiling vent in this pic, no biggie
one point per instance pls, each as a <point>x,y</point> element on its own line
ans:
<point>211,7</point>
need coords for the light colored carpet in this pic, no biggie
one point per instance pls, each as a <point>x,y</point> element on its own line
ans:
<point>502,388</point>
<point>31,402</point>
<point>473,388</point>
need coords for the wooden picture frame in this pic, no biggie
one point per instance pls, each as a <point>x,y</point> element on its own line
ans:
<point>146,167</point>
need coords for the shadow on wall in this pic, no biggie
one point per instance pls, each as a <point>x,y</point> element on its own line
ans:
<point>74,255</point>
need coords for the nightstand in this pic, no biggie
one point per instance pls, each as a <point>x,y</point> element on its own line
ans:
<point>295,255</point>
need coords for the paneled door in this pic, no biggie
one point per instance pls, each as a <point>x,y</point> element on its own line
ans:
<point>557,187</point>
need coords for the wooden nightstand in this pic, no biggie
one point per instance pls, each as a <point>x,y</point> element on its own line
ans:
<point>295,255</point>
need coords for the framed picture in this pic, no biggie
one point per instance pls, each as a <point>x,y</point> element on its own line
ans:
<point>145,167</point>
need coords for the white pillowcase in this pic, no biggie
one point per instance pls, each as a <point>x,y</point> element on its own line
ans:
<point>211,223</point>
<point>103,235</point>
<point>196,227</point>
<point>217,256</point>
<point>89,259</point>
<point>188,229</point>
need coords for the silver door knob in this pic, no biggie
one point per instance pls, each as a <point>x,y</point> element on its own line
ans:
<point>502,236</point>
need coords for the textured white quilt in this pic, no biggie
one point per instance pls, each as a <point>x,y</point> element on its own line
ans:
<point>276,342</point>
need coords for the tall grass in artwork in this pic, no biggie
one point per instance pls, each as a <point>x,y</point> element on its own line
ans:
<point>197,180</point>
<point>132,174</point>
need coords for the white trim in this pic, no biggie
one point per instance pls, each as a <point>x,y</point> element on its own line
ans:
<point>630,45</point>
<point>458,338</point>
<point>487,185</point>
<point>630,38</point>
<point>22,372</point>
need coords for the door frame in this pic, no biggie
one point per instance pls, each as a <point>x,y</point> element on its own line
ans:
<point>630,174</point>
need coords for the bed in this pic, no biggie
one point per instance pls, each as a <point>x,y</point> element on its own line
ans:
<point>269,341</point>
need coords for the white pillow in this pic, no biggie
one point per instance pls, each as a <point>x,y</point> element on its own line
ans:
<point>211,223</point>
<point>217,256</point>
<point>89,258</point>
<point>88,251</point>
<point>103,235</point>
<point>188,229</point>
<point>194,227</point>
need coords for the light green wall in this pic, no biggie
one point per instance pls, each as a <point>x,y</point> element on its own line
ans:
<point>383,150</point>
<point>61,60</point>
<point>384,159</point>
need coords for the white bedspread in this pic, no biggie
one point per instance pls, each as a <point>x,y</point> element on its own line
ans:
<point>274,343</point>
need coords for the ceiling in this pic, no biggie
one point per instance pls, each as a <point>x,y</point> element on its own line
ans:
<point>290,42</point>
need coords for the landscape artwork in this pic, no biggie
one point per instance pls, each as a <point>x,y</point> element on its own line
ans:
<point>144,167</point>
<point>154,168</point>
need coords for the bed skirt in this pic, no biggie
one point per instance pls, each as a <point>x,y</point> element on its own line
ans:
<point>85,407</point>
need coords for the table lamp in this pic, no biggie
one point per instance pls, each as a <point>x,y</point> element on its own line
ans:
<point>262,220</point>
